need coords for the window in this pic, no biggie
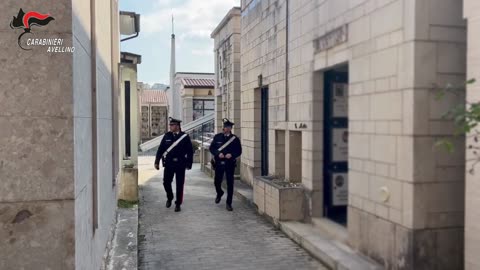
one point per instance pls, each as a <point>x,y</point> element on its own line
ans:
<point>202,107</point>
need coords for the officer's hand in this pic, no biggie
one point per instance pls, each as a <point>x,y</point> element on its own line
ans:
<point>221,155</point>
<point>189,167</point>
<point>157,167</point>
<point>228,156</point>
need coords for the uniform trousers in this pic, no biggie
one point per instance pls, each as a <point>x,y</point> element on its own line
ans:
<point>168,174</point>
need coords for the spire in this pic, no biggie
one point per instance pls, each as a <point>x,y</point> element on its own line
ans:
<point>173,27</point>
<point>173,109</point>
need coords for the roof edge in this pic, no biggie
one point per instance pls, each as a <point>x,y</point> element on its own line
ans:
<point>195,73</point>
<point>235,11</point>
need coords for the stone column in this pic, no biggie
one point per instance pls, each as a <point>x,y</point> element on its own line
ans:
<point>187,109</point>
<point>472,202</point>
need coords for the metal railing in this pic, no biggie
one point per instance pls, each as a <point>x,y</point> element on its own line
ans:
<point>199,130</point>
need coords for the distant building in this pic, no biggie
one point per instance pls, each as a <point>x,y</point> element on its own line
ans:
<point>155,86</point>
<point>196,95</point>
<point>154,114</point>
<point>159,86</point>
<point>143,86</point>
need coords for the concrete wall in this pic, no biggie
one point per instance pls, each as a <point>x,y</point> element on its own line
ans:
<point>90,242</point>
<point>472,201</point>
<point>394,120</point>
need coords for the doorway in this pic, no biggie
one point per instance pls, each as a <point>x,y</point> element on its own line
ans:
<point>335,162</point>
<point>128,150</point>
<point>264,130</point>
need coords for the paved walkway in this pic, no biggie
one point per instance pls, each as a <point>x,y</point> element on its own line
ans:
<point>205,235</point>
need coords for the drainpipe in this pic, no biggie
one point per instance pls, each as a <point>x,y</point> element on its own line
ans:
<point>287,71</point>
<point>93,70</point>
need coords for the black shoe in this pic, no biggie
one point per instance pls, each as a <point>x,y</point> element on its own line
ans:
<point>168,204</point>
<point>229,208</point>
<point>178,208</point>
<point>218,199</point>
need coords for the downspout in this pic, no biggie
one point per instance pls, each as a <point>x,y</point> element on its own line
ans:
<point>93,70</point>
<point>287,69</point>
<point>115,160</point>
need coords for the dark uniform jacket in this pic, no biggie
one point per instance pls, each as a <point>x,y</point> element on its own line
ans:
<point>235,148</point>
<point>180,156</point>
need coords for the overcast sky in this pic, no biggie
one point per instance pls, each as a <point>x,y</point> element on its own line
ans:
<point>194,22</point>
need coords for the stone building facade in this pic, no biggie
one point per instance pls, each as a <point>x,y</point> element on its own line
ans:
<point>59,159</point>
<point>227,70</point>
<point>472,200</point>
<point>338,94</point>
<point>196,94</point>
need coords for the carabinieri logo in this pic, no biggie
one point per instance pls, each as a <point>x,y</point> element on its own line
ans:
<point>25,21</point>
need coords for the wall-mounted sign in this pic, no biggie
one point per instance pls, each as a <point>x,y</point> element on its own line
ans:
<point>340,100</point>
<point>340,189</point>
<point>340,145</point>
<point>332,39</point>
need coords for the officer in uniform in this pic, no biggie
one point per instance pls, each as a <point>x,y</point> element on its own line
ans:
<point>225,148</point>
<point>175,160</point>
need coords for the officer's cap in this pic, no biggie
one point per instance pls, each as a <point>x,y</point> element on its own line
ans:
<point>227,123</point>
<point>174,121</point>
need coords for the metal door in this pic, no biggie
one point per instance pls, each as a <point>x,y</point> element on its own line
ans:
<point>264,130</point>
<point>336,146</point>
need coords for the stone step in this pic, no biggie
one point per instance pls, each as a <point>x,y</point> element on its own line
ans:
<point>319,238</point>
<point>331,229</point>
<point>332,253</point>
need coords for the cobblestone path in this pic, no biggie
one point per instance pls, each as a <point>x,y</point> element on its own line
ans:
<point>206,236</point>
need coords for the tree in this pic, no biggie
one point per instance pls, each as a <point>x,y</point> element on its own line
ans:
<point>466,117</point>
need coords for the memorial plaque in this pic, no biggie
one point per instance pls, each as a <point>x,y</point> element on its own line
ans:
<point>332,39</point>
<point>340,100</point>
<point>340,189</point>
<point>340,144</point>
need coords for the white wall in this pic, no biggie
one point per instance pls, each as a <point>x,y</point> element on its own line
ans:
<point>89,244</point>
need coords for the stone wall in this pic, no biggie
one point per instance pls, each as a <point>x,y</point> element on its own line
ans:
<point>405,193</point>
<point>154,121</point>
<point>227,70</point>
<point>37,190</point>
<point>46,192</point>
<point>263,53</point>
<point>472,202</point>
